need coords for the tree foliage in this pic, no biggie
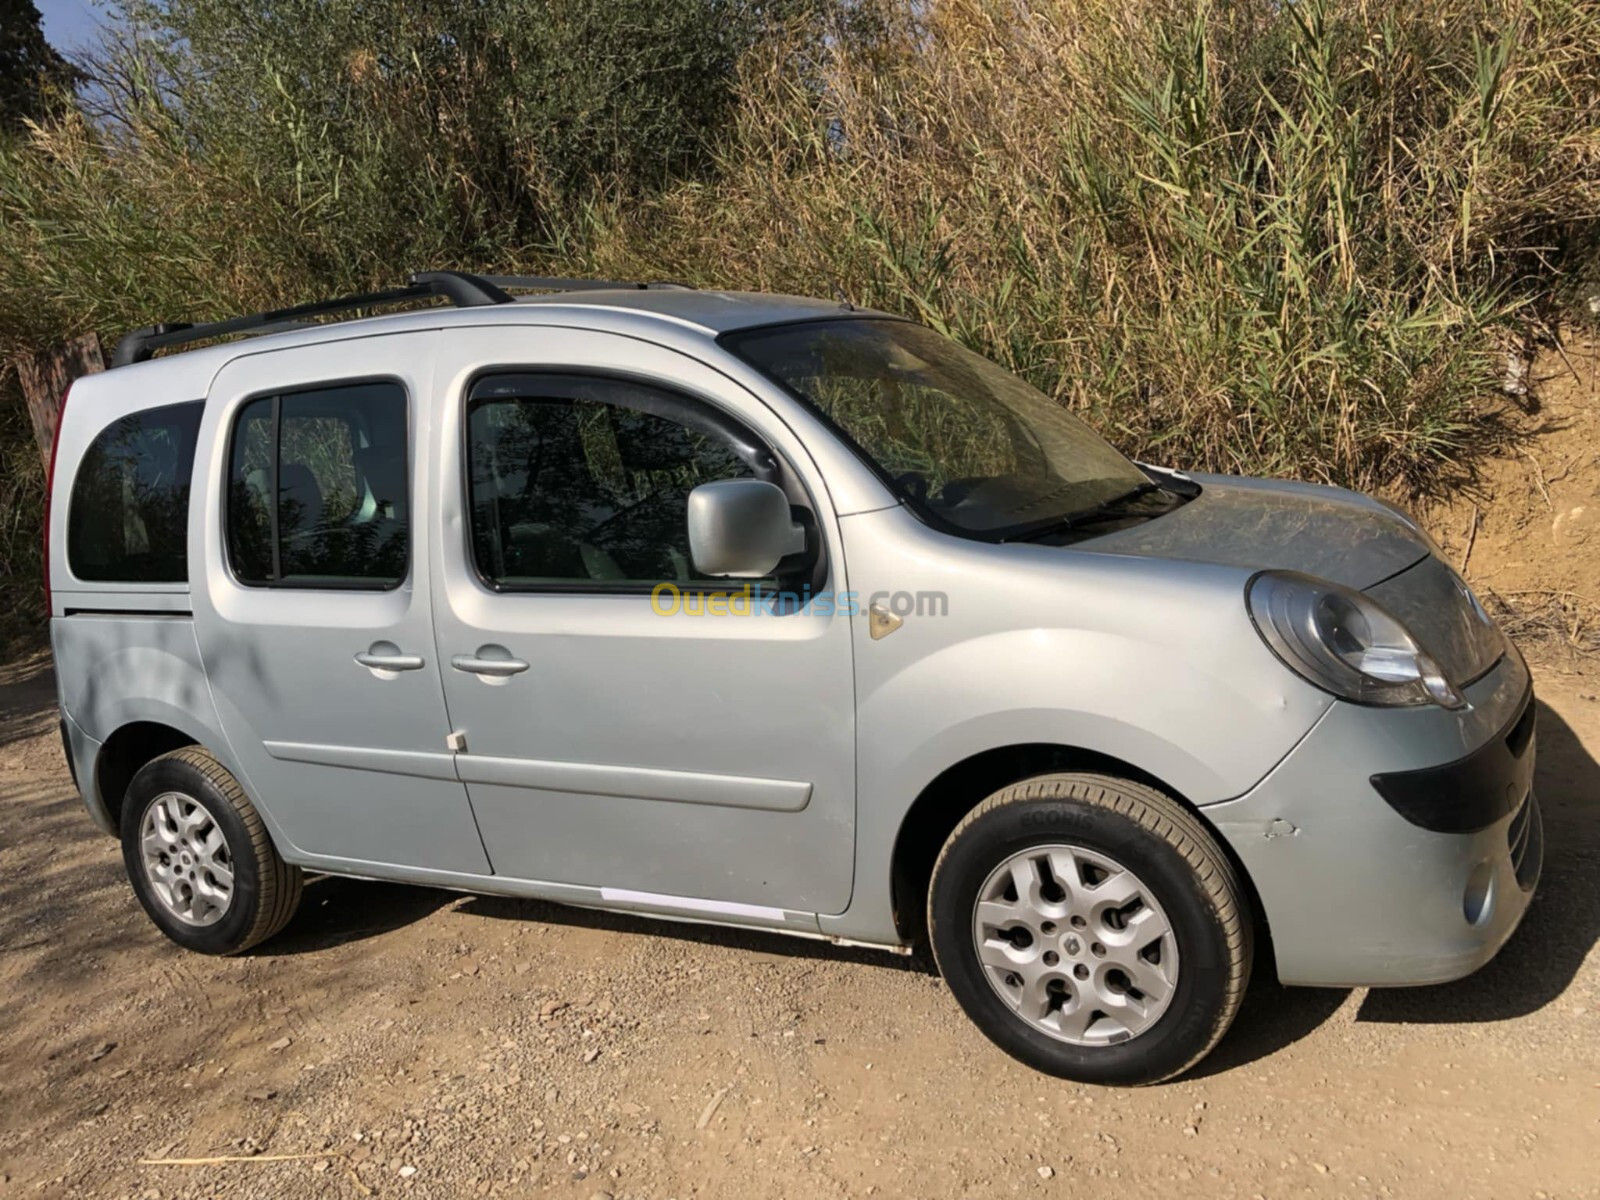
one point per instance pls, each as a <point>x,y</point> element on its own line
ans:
<point>1238,234</point>
<point>1243,235</point>
<point>32,74</point>
<point>487,116</point>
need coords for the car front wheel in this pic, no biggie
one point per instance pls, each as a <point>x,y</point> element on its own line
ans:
<point>1092,928</point>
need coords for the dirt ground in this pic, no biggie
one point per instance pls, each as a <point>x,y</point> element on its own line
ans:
<point>403,1041</point>
<point>406,1042</point>
<point>1525,528</point>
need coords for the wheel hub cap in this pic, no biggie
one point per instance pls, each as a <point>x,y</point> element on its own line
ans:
<point>186,859</point>
<point>1075,944</point>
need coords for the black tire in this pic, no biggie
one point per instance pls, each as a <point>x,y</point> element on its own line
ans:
<point>266,890</point>
<point>1171,852</point>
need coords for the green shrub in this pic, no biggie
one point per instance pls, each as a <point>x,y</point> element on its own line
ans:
<point>1275,238</point>
<point>1242,235</point>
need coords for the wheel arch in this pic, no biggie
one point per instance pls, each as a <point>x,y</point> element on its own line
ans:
<point>962,786</point>
<point>128,749</point>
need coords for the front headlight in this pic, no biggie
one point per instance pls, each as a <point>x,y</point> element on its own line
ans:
<point>1344,642</point>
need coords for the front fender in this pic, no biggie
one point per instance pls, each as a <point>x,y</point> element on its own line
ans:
<point>1173,719</point>
<point>1151,663</point>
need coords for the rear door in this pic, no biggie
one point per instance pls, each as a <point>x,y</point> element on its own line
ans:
<point>703,764</point>
<point>313,610</point>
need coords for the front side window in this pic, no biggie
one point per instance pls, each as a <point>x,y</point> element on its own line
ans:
<point>128,521</point>
<point>318,488</point>
<point>586,481</point>
<point>958,436</point>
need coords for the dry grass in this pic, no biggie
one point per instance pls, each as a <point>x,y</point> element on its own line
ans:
<point>1278,239</point>
<point>1249,236</point>
<point>1563,625</point>
<point>21,508</point>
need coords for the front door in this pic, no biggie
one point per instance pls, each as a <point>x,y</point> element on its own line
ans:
<point>313,609</point>
<point>702,764</point>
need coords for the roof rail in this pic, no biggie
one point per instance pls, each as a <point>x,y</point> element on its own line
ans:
<point>460,288</point>
<point>549,283</point>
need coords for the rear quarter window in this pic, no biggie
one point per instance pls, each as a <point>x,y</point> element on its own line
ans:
<point>128,519</point>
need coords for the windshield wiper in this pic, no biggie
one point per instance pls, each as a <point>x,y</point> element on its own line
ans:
<point>1088,516</point>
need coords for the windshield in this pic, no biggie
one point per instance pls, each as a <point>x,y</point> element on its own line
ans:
<point>962,438</point>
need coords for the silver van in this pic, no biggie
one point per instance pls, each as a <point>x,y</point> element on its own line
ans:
<point>774,613</point>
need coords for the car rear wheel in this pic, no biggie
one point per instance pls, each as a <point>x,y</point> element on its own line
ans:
<point>1092,928</point>
<point>199,857</point>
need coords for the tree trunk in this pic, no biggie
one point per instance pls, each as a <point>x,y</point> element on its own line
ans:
<point>45,377</point>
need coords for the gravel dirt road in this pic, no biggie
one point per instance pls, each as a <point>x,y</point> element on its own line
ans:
<point>404,1042</point>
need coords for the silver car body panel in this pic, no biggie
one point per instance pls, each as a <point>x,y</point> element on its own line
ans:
<point>638,783</point>
<point>629,702</point>
<point>1353,893</point>
<point>281,661</point>
<point>758,771</point>
<point>1254,523</point>
<point>114,671</point>
<point>1145,661</point>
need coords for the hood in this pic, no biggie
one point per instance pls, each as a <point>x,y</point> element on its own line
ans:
<point>1267,523</point>
<point>1333,534</point>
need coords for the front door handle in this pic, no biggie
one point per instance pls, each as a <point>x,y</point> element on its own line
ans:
<point>386,656</point>
<point>492,661</point>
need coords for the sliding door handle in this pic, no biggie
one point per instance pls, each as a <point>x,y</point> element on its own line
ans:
<point>386,656</point>
<point>487,662</point>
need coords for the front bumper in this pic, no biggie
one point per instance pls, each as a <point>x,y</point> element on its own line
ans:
<point>1367,889</point>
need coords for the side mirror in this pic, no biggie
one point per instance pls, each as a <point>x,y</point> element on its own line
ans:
<point>741,528</point>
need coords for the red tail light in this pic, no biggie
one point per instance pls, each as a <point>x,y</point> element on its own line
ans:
<point>49,491</point>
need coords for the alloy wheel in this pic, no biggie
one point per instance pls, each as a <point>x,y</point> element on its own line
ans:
<point>1075,944</point>
<point>186,859</point>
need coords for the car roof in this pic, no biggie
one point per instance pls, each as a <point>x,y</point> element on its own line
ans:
<point>714,312</point>
<point>681,311</point>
